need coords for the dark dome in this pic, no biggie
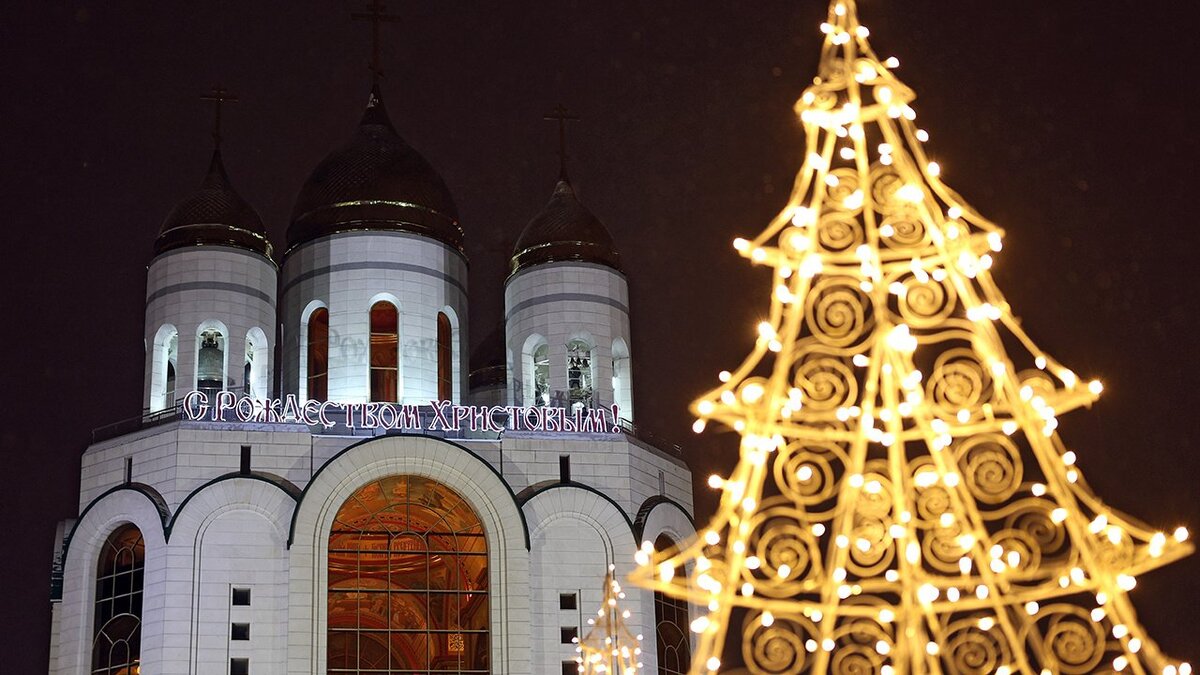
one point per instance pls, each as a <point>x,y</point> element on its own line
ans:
<point>216,214</point>
<point>377,181</point>
<point>564,230</point>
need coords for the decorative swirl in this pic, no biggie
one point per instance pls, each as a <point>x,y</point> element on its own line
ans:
<point>932,502</point>
<point>872,549</point>
<point>838,232</point>
<point>856,660</point>
<point>1028,556</point>
<point>907,232</point>
<point>827,383</point>
<point>782,542</point>
<point>941,550</point>
<point>958,381</point>
<point>835,311</point>
<point>1076,642</point>
<point>991,465</point>
<point>806,476</point>
<point>970,650</point>
<point>1115,556</point>
<point>778,648</point>
<point>884,184</point>
<point>1032,517</point>
<point>843,190</point>
<point>926,304</point>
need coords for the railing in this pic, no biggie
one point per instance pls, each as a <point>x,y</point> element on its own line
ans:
<point>646,436</point>
<point>144,421</point>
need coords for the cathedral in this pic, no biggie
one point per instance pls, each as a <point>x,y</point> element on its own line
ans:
<point>323,481</point>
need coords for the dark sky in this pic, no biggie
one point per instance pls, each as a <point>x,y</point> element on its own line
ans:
<point>1070,123</point>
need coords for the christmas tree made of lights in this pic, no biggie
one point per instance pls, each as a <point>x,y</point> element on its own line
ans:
<point>902,502</point>
<point>609,647</point>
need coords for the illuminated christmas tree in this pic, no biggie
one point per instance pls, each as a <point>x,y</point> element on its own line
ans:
<point>609,647</point>
<point>902,503</point>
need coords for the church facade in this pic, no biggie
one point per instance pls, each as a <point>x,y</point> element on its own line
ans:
<point>324,482</point>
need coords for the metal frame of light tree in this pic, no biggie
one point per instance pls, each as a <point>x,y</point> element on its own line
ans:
<point>902,503</point>
<point>609,647</point>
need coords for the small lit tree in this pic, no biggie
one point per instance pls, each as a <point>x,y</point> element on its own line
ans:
<point>609,647</point>
<point>903,502</point>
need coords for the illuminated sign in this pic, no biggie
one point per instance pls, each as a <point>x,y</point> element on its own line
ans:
<point>443,416</point>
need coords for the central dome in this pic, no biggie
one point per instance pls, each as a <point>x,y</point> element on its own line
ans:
<point>377,181</point>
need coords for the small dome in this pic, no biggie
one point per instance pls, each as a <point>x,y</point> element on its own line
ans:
<point>377,181</point>
<point>216,214</point>
<point>564,230</point>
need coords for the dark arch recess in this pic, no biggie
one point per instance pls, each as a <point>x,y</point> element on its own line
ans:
<point>286,486</point>
<point>146,491</point>
<point>648,507</point>
<point>538,488</point>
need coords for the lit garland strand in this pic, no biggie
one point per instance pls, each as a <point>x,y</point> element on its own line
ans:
<point>924,515</point>
<point>609,647</point>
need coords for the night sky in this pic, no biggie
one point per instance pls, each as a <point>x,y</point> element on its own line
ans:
<point>1070,123</point>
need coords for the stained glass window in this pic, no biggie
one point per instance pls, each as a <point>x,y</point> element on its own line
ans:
<point>408,581</point>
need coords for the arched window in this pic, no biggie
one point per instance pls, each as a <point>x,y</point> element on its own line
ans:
<point>541,375</point>
<point>445,358</point>
<point>579,374</point>
<point>210,360</point>
<point>318,354</point>
<point>162,368</point>
<point>671,625</point>
<point>117,642</point>
<point>408,581</point>
<point>385,351</point>
<point>254,382</point>
<point>622,379</point>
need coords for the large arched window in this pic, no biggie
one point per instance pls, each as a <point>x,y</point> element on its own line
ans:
<point>117,642</point>
<point>385,351</point>
<point>408,581</point>
<point>671,625</point>
<point>579,374</point>
<point>445,358</point>
<point>318,354</point>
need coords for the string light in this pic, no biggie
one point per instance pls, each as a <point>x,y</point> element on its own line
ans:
<point>609,647</point>
<point>919,494</point>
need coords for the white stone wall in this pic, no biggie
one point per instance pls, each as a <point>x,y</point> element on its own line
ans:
<point>235,532</point>
<point>177,458</point>
<point>188,287</point>
<point>347,273</point>
<point>555,303</point>
<point>576,535</point>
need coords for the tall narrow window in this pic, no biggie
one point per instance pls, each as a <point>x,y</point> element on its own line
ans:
<point>385,351</point>
<point>117,641</point>
<point>162,368</point>
<point>579,374</point>
<point>445,356</point>
<point>541,375</point>
<point>408,581</point>
<point>210,362</point>
<point>318,354</point>
<point>671,625</point>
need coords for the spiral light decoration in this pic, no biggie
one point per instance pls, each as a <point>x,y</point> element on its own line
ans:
<point>902,502</point>
<point>609,648</point>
